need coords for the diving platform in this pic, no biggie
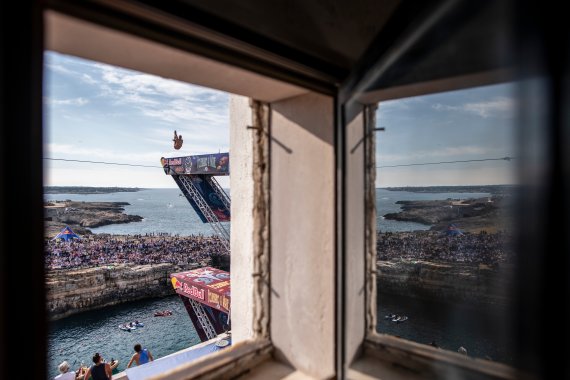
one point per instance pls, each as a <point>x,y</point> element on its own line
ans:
<point>195,176</point>
<point>206,294</point>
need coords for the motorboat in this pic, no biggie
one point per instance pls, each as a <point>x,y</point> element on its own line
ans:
<point>127,328</point>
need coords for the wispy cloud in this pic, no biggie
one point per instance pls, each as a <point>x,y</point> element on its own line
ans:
<point>499,105</point>
<point>66,102</point>
<point>66,68</point>
<point>131,116</point>
<point>400,104</point>
<point>168,100</point>
<point>59,69</point>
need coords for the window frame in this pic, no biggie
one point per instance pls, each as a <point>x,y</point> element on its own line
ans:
<point>21,80</point>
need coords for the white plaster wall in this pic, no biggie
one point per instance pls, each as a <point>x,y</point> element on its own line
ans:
<point>302,233</point>
<point>355,327</point>
<point>241,183</point>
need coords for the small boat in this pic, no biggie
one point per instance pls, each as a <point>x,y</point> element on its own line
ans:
<point>390,316</point>
<point>126,328</point>
<point>138,324</point>
<point>163,313</point>
<point>400,319</point>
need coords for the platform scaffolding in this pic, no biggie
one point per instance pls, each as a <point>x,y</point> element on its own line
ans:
<point>205,292</point>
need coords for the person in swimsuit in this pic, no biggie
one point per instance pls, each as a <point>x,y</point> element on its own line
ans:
<point>99,371</point>
<point>141,356</point>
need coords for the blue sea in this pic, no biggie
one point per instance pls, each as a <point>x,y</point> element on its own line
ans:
<point>166,211</point>
<point>77,338</point>
<point>163,211</point>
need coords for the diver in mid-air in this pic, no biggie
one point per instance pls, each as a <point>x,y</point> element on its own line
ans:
<point>177,141</point>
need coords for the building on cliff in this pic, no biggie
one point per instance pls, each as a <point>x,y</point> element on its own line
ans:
<point>308,76</point>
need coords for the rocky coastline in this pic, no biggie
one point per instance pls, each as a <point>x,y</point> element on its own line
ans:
<point>81,216</point>
<point>468,283</point>
<point>481,214</point>
<point>74,291</point>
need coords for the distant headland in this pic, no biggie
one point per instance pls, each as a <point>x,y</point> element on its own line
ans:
<point>88,190</point>
<point>81,216</point>
<point>491,189</point>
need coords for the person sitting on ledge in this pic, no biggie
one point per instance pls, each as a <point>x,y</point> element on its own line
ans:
<point>99,371</point>
<point>141,356</point>
<point>63,372</point>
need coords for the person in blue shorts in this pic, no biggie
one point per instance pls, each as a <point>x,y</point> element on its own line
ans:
<point>141,356</point>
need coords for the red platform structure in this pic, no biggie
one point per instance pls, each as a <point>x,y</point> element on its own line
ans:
<point>195,176</point>
<point>205,292</point>
<point>206,295</point>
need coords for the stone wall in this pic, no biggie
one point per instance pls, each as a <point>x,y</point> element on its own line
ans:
<point>74,291</point>
<point>446,282</point>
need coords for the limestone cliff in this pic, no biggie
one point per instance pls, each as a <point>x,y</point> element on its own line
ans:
<point>73,291</point>
<point>446,282</point>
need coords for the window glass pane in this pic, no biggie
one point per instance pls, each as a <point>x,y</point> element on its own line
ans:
<point>444,190</point>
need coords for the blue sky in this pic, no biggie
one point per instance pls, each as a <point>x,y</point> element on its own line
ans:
<point>476,123</point>
<point>98,112</point>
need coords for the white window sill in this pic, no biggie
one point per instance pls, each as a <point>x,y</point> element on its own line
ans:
<point>387,357</point>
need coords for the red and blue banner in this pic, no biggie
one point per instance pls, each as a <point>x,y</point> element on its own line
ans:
<point>209,286</point>
<point>213,164</point>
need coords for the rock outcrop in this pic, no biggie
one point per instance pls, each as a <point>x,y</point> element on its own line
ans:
<point>447,282</point>
<point>81,216</point>
<point>473,215</point>
<point>74,291</point>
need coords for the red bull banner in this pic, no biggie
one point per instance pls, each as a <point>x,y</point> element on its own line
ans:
<point>209,286</point>
<point>214,164</point>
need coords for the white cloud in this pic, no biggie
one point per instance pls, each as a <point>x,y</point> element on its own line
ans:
<point>88,79</point>
<point>200,114</point>
<point>66,102</point>
<point>486,109</point>
<point>65,70</point>
<point>59,69</point>
<point>164,99</point>
<point>498,106</point>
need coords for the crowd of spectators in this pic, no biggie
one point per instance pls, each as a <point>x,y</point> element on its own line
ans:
<point>480,248</point>
<point>98,250</point>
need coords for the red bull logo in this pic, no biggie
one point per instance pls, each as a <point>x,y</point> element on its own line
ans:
<point>175,283</point>
<point>194,291</point>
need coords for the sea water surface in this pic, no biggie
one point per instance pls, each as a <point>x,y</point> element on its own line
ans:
<point>163,210</point>
<point>166,211</point>
<point>78,337</point>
